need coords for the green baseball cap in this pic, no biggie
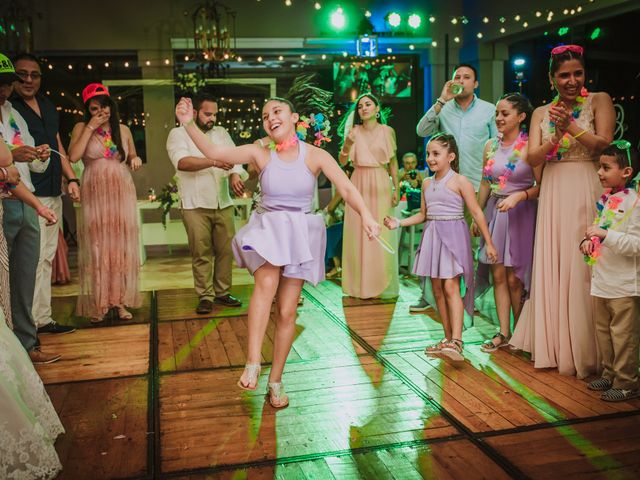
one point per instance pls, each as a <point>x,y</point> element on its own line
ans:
<point>7,72</point>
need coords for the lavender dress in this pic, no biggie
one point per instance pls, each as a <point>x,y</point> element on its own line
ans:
<point>513,231</point>
<point>445,248</point>
<point>282,231</point>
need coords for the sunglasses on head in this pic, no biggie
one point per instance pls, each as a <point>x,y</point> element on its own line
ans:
<point>567,48</point>
<point>623,145</point>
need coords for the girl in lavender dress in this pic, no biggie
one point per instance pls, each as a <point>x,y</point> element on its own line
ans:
<point>283,244</point>
<point>444,254</point>
<point>508,196</point>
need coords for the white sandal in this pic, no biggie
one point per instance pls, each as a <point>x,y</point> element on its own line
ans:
<point>253,372</point>
<point>277,396</point>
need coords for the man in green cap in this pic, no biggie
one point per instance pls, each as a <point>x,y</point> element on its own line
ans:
<point>20,223</point>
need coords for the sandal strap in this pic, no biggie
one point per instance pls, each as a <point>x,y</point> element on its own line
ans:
<point>276,390</point>
<point>499,335</point>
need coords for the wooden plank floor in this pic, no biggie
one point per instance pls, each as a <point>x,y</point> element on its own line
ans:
<point>365,400</point>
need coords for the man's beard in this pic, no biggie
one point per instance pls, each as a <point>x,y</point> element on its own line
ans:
<point>205,127</point>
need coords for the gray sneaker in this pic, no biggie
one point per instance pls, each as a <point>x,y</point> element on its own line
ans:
<point>421,306</point>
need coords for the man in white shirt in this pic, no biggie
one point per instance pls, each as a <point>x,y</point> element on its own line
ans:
<point>207,208</point>
<point>20,223</point>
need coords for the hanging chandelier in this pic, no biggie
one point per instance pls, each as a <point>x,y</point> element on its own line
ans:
<point>214,31</point>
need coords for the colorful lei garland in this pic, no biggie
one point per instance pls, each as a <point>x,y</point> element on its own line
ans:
<point>278,147</point>
<point>501,181</point>
<point>17,136</point>
<point>110,148</point>
<point>563,145</point>
<point>607,206</point>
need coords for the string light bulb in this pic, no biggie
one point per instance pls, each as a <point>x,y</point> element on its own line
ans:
<point>454,21</point>
<point>456,39</point>
<point>317,6</point>
<point>479,35</point>
<point>485,20</point>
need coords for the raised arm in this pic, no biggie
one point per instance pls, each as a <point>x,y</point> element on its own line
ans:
<point>538,150</point>
<point>604,119</point>
<point>80,136</point>
<point>242,154</point>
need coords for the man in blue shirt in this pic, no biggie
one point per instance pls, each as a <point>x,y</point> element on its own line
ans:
<point>469,119</point>
<point>42,119</point>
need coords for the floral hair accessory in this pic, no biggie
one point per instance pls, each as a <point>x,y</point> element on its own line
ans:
<point>559,50</point>
<point>320,126</point>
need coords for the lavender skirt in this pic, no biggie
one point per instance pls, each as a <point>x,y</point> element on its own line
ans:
<point>512,233</point>
<point>295,241</point>
<point>445,252</point>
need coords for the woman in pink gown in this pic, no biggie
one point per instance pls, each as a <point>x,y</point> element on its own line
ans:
<point>108,257</point>
<point>367,269</point>
<point>556,324</point>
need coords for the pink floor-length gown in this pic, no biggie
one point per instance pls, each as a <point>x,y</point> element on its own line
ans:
<point>367,269</point>
<point>108,257</point>
<point>557,324</point>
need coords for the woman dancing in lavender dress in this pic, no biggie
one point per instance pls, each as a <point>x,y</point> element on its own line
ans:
<point>283,244</point>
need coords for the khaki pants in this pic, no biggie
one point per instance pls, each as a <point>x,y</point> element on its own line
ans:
<point>210,232</point>
<point>48,247</point>
<point>618,339</point>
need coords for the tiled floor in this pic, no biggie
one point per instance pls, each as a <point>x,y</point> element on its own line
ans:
<point>157,397</point>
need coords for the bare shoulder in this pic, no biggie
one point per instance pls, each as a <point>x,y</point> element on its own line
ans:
<point>460,183</point>
<point>124,130</point>
<point>601,98</point>
<point>538,112</point>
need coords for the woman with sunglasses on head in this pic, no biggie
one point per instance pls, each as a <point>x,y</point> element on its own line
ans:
<point>108,255</point>
<point>556,324</point>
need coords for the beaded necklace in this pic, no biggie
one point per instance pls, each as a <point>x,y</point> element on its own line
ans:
<point>110,148</point>
<point>500,181</point>
<point>563,145</point>
<point>278,147</point>
<point>607,207</point>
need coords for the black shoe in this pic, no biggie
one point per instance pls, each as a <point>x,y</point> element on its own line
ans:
<point>228,301</point>
<point>204,306</point>
<point>55,328</point>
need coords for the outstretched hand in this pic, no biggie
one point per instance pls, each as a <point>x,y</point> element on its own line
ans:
<point>184,110</point>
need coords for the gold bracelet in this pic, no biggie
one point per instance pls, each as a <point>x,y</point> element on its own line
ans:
<point>582,132</point>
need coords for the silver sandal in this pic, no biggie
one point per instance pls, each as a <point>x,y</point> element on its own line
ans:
<point>253,372</point>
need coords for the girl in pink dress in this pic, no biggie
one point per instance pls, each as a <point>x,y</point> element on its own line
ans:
<point>567,135</point>
<point>108,257</point>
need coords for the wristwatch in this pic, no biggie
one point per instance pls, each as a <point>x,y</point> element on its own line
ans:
<point>73,180</point>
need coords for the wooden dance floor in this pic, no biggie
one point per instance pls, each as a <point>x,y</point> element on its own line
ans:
<point>157,398</point>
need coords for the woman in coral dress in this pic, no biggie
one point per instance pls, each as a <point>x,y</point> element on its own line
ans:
<point>367,269</point>
<point>556,324</point>
<point>108,257</point>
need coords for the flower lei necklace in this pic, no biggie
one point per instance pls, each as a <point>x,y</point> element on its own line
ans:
<point>110,148</point>
<point>278,147</point>
<point>563,145</point>
<point>500,181</point>
<point>17,136</point>
<point>607,207</point>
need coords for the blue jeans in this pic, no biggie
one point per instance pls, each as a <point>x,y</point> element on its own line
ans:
<point>22,231</point>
